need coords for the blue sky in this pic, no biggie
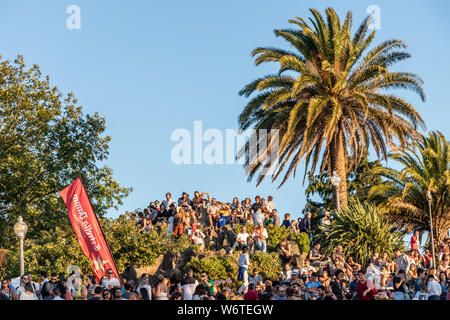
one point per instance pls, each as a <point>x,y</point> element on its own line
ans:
<point>151,67</point>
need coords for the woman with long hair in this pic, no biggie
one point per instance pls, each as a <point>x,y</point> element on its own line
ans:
<point>366,290</point>
<point>162,290</point>
<point>107,294</point>
<point>178,223</point>
<point>7,291</point>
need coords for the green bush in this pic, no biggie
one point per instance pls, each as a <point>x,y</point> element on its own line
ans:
<point>361,229</point>
<point>217,268</point>
<point>276,234</point>
<point>56,250</point>
<point>267,264</point>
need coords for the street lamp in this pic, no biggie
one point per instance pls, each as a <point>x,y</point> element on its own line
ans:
<point>336,181</point>
<point>20,229</point>
<point>429,198</point>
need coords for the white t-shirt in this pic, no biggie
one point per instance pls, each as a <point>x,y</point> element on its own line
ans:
<point>270,206</point>
<point>242,237</point>
<point>27,296</point>
<point>307,270</point>
<point>434,288</point>
<point>188,290</point>
<point>114,282</point>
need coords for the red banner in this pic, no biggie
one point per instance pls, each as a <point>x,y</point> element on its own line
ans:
<point>88,231</point>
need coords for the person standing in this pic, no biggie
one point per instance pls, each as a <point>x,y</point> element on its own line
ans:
<point>27,293</point>
<point>169,201</point>
<point>162,290</point>
<point>110,282</point>
<point>7,291</point>
<point>275,218</point>
<point>305,225</point>
<point>415,241</point>
<point>434,288</point>
<point>188,285</point>
<point>260,235</point>
<point>244,263</point>
<point>258,217</point>
<point>287,220</point>
<point>402,261</point>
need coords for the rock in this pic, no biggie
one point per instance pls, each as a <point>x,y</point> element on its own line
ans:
<point>129,274</point>
<point>221,253</point>
<point>150,269</point>
<point>294,248</point>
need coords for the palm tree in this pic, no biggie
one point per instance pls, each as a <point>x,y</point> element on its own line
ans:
<point>426,168</point>
<point>329,99</point>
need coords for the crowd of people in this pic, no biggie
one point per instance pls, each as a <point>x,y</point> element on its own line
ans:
<point>398,275</point>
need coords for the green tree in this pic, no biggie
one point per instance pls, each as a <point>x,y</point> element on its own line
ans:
<point>330,99</point>
<point>359,182</point>
<point>361,229</point>
<point>426,167</point>
<point>46,142</point>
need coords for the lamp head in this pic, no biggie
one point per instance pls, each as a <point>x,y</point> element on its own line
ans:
<point>20,228</point>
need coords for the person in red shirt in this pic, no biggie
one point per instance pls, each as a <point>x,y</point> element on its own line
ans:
<point>415,241</point>
<point>251,294</point>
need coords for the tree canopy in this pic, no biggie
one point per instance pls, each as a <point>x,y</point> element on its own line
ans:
<point>46,142</point>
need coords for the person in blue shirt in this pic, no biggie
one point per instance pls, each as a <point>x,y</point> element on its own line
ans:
<point>225,231</point>
<point>312,285</point>
<point>287,220</point>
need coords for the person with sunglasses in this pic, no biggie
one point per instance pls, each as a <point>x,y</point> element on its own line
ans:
<point>207,283</point>
<point>24,287</point>
<point>7,291</point>
<point>110,281</point>
<point>106,295</point>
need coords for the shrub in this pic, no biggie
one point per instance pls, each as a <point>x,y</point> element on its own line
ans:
<point>361,229</point>
<point>217,268</point>
<point>267,264</point>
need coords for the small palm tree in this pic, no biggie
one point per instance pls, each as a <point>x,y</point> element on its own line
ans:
<point>361,229</point>
<point>426,167</point>
<point>329,99</point>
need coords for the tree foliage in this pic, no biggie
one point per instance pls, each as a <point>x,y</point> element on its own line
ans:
<point>361,229</point>
<point>425,167</point>
<point>46,142</point>
<point>330,99</point>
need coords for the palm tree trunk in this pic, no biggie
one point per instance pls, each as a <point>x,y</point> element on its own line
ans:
<point>441,227</point>
<point>338,163</point>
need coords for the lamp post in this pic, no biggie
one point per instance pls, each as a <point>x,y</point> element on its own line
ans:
<point>336,181</point>
<point>20,229</point>
<point>428,195</point>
